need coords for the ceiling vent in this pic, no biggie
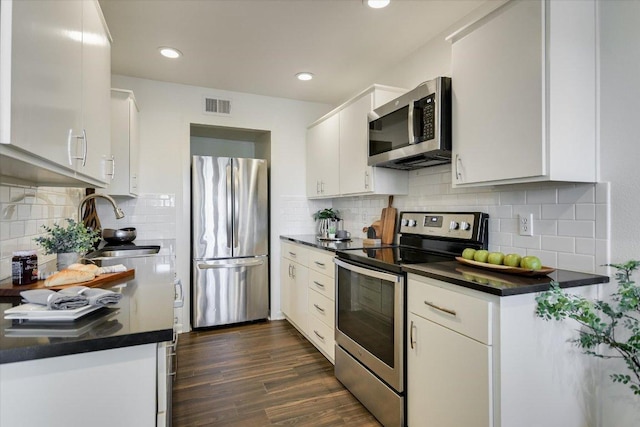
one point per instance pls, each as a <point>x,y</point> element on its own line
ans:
<point>217,106</point>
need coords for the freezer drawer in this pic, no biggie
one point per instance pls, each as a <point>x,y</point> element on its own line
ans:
<point>230,291</point>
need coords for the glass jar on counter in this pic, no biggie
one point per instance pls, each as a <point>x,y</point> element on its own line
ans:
<point>24,267</point>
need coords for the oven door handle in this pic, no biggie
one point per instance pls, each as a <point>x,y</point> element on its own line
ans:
<point>368,272</point>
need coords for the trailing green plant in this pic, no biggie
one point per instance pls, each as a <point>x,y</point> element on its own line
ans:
<point>75,237</point>
<point>614,325</point>
<point>327,213</point>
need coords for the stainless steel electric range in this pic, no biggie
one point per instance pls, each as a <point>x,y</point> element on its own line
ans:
<point>371,301</point>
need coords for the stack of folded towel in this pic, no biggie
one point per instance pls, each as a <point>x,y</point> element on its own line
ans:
<point>71,298</point>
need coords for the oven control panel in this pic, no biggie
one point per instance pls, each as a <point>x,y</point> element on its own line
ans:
<point>442,224</point>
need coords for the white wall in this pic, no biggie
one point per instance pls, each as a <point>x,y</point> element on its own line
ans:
<point>166,113</point>
<point>619,157</point>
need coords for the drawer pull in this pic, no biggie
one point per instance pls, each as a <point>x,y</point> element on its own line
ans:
<point>445,310</point>
<point>293,254</point>
<point>318,284</point>
<point>320,264</point>
<point>320,309</point>
<point>318,335</point>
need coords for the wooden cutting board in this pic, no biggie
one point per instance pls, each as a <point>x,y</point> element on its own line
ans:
<point>388,218</point>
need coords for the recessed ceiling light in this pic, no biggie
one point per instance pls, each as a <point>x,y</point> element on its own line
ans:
<point>304,76</point>
<point>377,4</point>
<point>170,52</point>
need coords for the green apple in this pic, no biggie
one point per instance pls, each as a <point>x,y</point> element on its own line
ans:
<point>495,258</point>
<point>481,255</point>
<point>468,253</point>
<point>531,262</point>
<point>512,260</point>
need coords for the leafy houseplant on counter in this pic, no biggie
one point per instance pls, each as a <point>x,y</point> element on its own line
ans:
<point>615,325</point>
<point>69,243</point>
<point>326,219</point>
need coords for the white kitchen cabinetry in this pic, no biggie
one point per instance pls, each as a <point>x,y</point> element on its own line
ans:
<point>124,144</point>
<point>477,360</point>
<point>337,150</point>
<point>72,390</point>
<point>322,302</point>
<point>54,105</point>
<point>356,176</point>
<point>323,168</point>
<point>307,294</point>
<point>524,95</point>
<point>294,275</point>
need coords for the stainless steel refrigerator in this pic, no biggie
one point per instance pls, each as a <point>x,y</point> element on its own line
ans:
<point>229,238</point>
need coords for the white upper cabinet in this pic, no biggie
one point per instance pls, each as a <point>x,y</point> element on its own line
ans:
<point>337,151</point>
<point>524,95</point>
<point>356,176</point>
<point>323,154</point>
<point>124,144</point>
<point>54,102</point>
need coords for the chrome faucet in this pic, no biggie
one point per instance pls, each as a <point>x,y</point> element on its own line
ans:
<point>116,210</point>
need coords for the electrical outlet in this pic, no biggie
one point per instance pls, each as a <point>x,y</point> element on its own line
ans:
<point>526,224</point>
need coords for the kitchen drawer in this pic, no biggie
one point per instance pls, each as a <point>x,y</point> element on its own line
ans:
<point>322,336</point>
<point>322,308</point>
<point>294,252</point>
<point>322,262</point>
<point>462,313</point>
<point>322,283</point>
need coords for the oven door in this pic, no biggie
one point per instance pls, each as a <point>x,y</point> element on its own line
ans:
<point>370,319</point>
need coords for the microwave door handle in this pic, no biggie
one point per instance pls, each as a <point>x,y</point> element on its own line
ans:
<point>410,122</point>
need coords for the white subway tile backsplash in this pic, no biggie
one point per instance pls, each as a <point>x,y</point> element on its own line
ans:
<point>513,198</point>
<point>602,221</point>
<point>585,246</point>
<point>558,244</point>
<point>560,211</point>
<point>576,262</point>
<point>526,242</point>
<point>576,228</point>
<point>546,195</point>
<point>579,193</point>
<point>586,212</point>
<point>545,227</point>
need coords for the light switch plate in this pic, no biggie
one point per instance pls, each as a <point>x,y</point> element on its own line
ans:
<point>525,222</point>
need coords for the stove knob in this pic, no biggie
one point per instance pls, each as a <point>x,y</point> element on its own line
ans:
<point>465,225</point>
<point>453,225</point>
<point>412,223</point>
<point>405,222</point>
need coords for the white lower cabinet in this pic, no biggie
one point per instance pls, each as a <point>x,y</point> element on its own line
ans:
<point>479,360</point>
<point>307,294</point>
<point>106,388</point>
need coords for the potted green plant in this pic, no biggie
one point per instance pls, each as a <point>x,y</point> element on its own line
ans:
<point>610,330</point>
<point>68,243</point>
<point>326,219</point>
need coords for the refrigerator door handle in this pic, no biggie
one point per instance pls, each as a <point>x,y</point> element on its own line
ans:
<point>236,209</point>
<point>229,206</point>
<point>251,263</point>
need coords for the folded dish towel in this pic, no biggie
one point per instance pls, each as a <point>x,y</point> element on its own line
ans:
<point>54,300</point>
<point>95,296</point>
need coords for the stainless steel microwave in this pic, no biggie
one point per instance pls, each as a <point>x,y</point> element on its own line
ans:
<point>414,130</point>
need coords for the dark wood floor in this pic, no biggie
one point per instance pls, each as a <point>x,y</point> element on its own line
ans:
<point>263,374</point>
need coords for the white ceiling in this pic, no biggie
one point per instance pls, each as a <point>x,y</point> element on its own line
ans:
<point>257,46</point>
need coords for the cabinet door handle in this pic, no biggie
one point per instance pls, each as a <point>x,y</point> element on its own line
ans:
<point>320,285</point>
<point>290,267</point>
<point>113,167</point>
<point>320,309</point>
<point>317,187</point>
<point>293,271</point>
<point>320,264</point>
<point>410,123</point>
<point>366,179</point>
<point>458,160</point>
<point>437,307</point>
<point>85,147</point>
<point>411,340</point>
<point>322,187</point>
<point>318,335</point>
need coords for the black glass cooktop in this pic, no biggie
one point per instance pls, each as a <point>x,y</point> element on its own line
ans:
<point>390,258</point>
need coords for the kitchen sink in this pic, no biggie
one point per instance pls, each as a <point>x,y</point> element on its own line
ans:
<point>123,252</point>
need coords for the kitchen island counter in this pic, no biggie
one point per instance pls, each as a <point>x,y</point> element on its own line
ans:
<point>144,315</point>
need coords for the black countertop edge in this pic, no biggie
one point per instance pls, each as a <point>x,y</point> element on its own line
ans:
<point>518,285</point>
<point>311,240</point>
<point>23,354</point>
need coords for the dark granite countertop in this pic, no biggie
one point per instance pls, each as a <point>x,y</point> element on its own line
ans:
<point>500,284</point>
<point>144,315</point>
<point>328,245</point>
